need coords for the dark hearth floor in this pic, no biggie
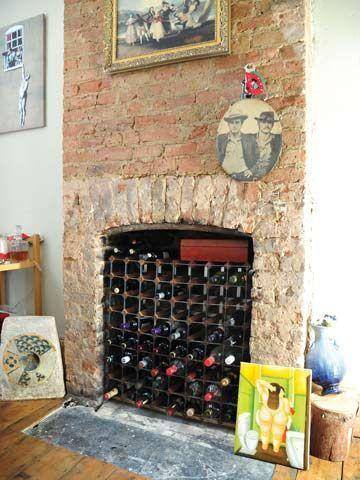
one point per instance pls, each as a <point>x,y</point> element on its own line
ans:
<point>149,444</point>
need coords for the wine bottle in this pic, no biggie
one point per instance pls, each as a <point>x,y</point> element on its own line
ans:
<point>160,382</point>
<point>130,342</point>
<point>115,339</point>
<point>230,378</point>
<point>219,277</point>
<point>113,252</point>
<point>212,391</point>
<point>176,405</point>
<point>112,359</point>
<point>163,329</point>
<point>237,278</point>
<point>130,325</point>
<point>128,358</point>
<point>196,353</point>
<point>232,358</point>
<point>176,367</point>
<point>144,398</point>
<point>180,332</point>
<point>117,285</point>
<point>179,351</point>
<point>162,347</point>
<point>233,340</point>
<point>145,363</point>
<point>146,345</point>
<point>194,408</point>
<point>215,357</point>
<point>195,388</point>
<point>164,292</point>
<point>212,411</point>
<point>216,335</point>
<point>132,288</point>
<point>112,393</point>
<point>229,414</point>
<point>159,369</point>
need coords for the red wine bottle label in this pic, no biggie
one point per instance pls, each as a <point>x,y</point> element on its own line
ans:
<point>210,361</point>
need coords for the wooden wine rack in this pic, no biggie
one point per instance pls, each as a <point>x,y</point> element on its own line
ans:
<point>205,307</point>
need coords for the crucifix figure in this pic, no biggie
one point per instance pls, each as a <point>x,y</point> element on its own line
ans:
<point>23,95</point>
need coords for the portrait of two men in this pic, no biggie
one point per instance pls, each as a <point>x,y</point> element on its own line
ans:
<point>249,140</point>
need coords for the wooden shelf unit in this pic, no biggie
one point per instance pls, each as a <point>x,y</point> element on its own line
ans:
<point>33,262</point>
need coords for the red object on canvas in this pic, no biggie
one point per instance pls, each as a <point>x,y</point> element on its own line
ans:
<point>214,250</point>
<point>3,315</point>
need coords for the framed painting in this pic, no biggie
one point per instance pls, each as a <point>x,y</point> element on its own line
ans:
<point>22,75</point>
<point>144,33</point>
<point>273,414</point>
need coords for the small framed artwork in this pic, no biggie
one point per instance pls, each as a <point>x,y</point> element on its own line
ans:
<point>22,75</point>
<point>273,415</point>
<point>144,33</point>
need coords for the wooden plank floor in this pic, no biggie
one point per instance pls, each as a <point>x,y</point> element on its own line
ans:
<point>26,458</point>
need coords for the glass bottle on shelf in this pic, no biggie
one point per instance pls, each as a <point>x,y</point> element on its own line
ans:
<point>219,277</point>
<point>164,291</point>
<point>145,363</point>
<point>176,405</point>
<point>212,411</point>
<point>195,388</point>
<point>194,408</point>
<point>212,392</point>
<point>179,351</point>
<point>196,353</point>
<point>18,245</point>
<point>238,278</point>
<point>176,367</point>
<point>216,335</point>
<point>144,397</point>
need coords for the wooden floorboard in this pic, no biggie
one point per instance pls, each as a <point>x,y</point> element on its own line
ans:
<point>26,458</point>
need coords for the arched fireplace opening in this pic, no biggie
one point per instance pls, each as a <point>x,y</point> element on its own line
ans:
<point>177,318</point>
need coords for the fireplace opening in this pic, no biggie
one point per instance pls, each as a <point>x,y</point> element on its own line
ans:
<point>177,317</point>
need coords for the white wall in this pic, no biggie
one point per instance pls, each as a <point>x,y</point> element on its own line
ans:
<point>334,157</point>
<point>31,168</point>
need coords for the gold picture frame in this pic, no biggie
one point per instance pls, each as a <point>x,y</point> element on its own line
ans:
<point>144,39</point>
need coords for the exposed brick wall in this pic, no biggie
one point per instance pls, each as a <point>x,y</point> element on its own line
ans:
<point>160,124</point>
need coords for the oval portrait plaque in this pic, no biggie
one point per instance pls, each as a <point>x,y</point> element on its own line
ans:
<point>249,140</point>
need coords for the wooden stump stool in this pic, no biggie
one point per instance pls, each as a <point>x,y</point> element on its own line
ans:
<point>332,423</point>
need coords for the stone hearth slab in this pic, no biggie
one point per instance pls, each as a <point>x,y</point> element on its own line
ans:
<point>149,444</point>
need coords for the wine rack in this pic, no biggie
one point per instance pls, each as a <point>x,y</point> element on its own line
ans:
<point>211,314</point>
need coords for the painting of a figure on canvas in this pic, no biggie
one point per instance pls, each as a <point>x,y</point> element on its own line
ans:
<point>273,414</point>
<point>22,82</point>
<point>158,31</point>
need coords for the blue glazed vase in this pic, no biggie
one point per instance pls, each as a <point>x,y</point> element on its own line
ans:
<point>326,360</point>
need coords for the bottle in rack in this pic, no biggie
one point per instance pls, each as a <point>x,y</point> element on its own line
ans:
<point>181,293</point>
<point>212,392</point>
<point>179,351</point>
<point>117,285</point>
<point>212,411</point>
<point>128,358</point>
<point>145,363</point>
<point>229,414</point>
<point>216,335</point>
<point>176,367</point>
<point>163,329</point>
<point>219,277</point>
<point>143,382</point>
<point>130,325</point>
<point>160,382</point>
<point>233,340</point>
<point>238,278</point>
<point>228,379</point>
<point>162,347</point>
<point>115,252</point>
<point>193,372</point>
<point>193,408</point>
<point>144,397</point>
<point>195,388</point>
<point>176,386</point>
<point>130,342</point>
<point>145,345</point>
<point>164,291</point>
<point>176,405</point>
<point>179,332</point>
<point>197,352</point>
<point>111,394</point>
<point>159,369</point>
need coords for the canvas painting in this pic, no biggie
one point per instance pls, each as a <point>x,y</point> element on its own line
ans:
<point>22,75</point>
<point>143,33</point>
<point>273,415</point>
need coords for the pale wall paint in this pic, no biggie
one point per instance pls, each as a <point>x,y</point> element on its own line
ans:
<point>31,168</point>
<point>334,160</point>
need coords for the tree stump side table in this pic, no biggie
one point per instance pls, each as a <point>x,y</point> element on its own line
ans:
<point>332,423</point>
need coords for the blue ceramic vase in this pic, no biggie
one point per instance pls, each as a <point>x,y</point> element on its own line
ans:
<point>326,360</point>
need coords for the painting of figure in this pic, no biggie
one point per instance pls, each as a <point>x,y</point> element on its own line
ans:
<point>22,76</point>
<point>273,414</point>
<point>149,32</point>
<point>249,140</point>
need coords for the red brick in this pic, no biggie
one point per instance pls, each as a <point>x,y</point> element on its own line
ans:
<point>178,150</point>
<point>189,164</point>
<point>267,39</point>
<point>165,119</point>
<point>90,87</point>
<point>156,134</point>
<point>199,131</point>
<point>148,151</point>
<point>117,153</point>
